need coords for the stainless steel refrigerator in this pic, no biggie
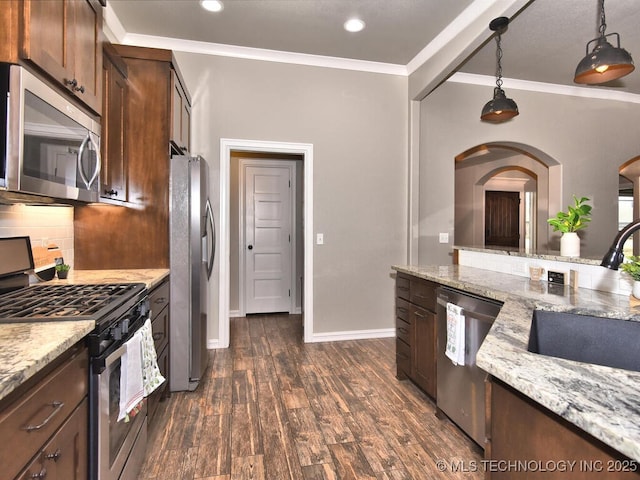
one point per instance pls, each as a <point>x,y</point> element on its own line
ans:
<point>192,251</point>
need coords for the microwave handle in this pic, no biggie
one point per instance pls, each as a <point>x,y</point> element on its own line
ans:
<point>96,172</point>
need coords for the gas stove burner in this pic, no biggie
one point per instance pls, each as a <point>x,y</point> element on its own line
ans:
<point>41,303</point>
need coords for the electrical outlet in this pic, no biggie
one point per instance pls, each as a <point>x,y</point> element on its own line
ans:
<point>444,238</point>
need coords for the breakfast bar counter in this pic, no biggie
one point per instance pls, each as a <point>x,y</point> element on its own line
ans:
<point>602,401</point>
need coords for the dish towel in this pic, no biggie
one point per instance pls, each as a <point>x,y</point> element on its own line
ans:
<point>151,376</point>
<point>131,387</point>
<point>455,334</point>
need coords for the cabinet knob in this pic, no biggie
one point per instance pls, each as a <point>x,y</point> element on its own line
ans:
<point>73,83</point>
<point>41,474</point>
<point>111,192</point>
<point>55,456</point>
<point>79,89</point>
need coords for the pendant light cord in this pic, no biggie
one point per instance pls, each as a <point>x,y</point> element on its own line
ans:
<point>499,61</point>
<point>603,20</point>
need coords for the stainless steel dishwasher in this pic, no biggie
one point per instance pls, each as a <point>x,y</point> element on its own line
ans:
<point>460,388</point>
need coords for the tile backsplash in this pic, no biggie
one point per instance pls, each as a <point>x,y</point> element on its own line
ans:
<point>591,276</point>
<point>43,224</point>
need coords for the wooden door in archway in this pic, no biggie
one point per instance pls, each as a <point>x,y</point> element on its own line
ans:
<point>502,219</point>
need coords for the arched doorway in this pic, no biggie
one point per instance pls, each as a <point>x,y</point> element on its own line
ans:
<point>506,167</point>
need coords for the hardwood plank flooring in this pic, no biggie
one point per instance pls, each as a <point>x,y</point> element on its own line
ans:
<point>271,407</point>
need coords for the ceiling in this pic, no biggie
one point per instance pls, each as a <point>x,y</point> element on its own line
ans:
<point>544,43</point>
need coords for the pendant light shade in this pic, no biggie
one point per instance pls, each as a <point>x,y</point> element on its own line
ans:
<point>500,108</point>
<point>605,62</point>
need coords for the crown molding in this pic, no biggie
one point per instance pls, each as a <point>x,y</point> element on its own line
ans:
<point>192,46</point>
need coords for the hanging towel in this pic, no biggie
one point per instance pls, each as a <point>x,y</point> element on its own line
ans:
<point>151,376</point>
<point>455,334</point>
<point>131,386</point>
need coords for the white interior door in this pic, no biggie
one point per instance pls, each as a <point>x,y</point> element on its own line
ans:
<point>267,250</point>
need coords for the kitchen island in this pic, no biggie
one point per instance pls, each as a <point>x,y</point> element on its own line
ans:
<point>601,401</point>
<point>27,348</point>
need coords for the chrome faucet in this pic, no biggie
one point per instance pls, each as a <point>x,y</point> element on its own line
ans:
<point>614,256</point>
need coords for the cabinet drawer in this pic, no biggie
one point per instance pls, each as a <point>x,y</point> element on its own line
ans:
<point>160,329</point>
<point>402,309</point>
<point>402,287</point>
<point>423,293</point>
<point>158,299</point>
<point>403,356</point>
<point>31,420</point>
<point>65,455</point>
<point>403,331</point>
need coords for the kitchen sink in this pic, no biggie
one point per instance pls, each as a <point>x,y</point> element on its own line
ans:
<point>604,341</point>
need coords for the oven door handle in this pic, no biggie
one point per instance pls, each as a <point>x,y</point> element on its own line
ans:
<point>101,362</point>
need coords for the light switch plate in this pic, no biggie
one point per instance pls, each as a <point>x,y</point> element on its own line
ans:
<point>319,239</point>
<point>444,238</point>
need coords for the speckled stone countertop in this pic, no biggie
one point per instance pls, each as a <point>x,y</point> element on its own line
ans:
<point>603,401</point>
<point>26,348</point>
<point>553,255</point>
<point>150,276</point>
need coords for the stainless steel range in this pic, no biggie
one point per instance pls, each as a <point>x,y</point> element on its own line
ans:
<point>116,449</point>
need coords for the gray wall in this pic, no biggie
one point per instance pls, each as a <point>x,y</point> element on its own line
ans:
<point>357,123</point>
<point>590,138</point>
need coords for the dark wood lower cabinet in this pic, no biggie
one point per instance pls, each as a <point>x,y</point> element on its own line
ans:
<point>423,360</point>
<point>416,331</point>
<point>159,301</point>
<point>528,441</point>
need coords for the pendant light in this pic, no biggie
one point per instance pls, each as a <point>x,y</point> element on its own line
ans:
<point>605,62</point>
<point>500,108</point>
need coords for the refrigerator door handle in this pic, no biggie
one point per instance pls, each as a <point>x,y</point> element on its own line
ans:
<point>209,227</point>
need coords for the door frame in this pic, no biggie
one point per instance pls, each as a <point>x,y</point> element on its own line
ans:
<point>227,145</point>
<point>291,165</point>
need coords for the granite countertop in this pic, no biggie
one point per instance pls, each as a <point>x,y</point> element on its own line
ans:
<point>602,401</point>
<point>150,276</point>
<point>26,348</point>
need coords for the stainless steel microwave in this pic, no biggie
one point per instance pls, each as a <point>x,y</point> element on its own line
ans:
<point>49,146</point>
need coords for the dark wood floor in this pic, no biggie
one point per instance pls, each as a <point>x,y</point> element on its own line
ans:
<point>272,407</point>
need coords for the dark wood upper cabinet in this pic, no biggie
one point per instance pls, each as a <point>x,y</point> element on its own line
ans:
<point>136,236</point>
<point>113,176</point>
<point>180,115</point>
<point>64,39</point>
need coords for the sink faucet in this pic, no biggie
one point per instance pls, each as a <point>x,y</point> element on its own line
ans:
<point>614,256</point>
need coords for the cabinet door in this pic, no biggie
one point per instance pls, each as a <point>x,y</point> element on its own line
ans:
<point>423,361</point>
<point>63,38</point>
<point>522,430</point>
<point>44,37</point>
<point>180,115</point>
<point>113,177</point>
<point>85,48</point>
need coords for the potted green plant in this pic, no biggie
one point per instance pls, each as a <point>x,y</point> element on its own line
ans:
<point>632,268</point>
<point>575,218</point>
<point>62,270</point>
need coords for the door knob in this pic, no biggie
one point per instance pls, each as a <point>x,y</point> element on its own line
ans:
<point>250,247</point>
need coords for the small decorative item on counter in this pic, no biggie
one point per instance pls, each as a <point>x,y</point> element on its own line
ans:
<point>576,218</point>
<point>62,270</point>
<point>535,273</point>
<point>632,268</point>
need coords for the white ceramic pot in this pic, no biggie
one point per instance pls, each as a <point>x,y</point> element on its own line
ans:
<point>570,244</point>
<point>636,289</point>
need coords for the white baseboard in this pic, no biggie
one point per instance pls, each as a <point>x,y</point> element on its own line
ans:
<point>213,343</point>
<point>237,314</point>
<point>353,335</point>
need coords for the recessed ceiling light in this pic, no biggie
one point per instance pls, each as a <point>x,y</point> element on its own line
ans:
<point>212,5</point>
<point>354,25</point>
